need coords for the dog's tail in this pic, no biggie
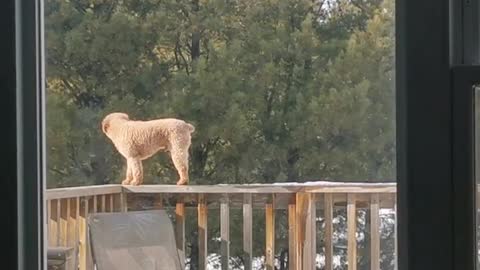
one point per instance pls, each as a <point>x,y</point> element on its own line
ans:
<point>190,127</point>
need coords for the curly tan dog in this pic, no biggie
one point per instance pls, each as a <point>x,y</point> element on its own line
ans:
<point>139,140</point>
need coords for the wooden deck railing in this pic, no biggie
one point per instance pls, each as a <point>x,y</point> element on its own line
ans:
<point>68,208</point>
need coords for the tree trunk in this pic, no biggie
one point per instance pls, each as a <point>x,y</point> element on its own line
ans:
<point>194,262</point>
<point>283,262</point>
<point>195,47</point>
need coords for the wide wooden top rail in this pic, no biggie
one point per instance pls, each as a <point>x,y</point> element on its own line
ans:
<point>279,188</point>
<point>84,191</point>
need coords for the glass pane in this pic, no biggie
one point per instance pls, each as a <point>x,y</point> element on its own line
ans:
<point>232,116</point>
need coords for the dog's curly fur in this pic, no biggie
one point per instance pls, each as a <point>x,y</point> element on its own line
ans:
<point>139,140</point>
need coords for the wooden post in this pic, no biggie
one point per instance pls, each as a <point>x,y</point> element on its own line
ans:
<point>351,232</point>
<point>247,230</point>
<point>310,242</point>
<point>225,232</point>
<point>292,233</point>
<point>328,231</point>
<point>374,233</point>
<point>202,232</point>
<point>270,234</point>
<point>306,231</point>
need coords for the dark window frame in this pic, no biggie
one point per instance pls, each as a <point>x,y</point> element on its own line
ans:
<point>464,79</point>
<point>465,73</point>
<point>8,136</point>
<point>30,134</point>
<point>424,126</point>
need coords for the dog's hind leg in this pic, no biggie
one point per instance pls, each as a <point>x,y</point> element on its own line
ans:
<point>180,160</point>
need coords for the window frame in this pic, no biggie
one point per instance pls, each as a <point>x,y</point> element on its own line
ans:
<point>464,78</point>
<point>424,126</point>
<point>8,136</point>
<point>465,73</point>
<point>30,134</point>
<point>424,137</point>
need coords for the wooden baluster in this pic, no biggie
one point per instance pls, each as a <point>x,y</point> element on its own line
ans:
<point>83,248</point>
<point>158,201</point>
<point>58,217</point>
<point>103,206</point>
<point>292,233</point>
<point>76,243</point>
<point>270,234</point>
<point>225,232</point>
<point>123,202</point>
<point>52,222</point>
<point>111,203</point>
<point>310,244</point>
<point>247,231</point>
<point>351,232</point>
<point>374,233</point>
<point>95,205</point>
<point>328,231</point>
<point>64,210</point>
<point>202,232</point>
<point>180,225</point>
<point>300,227</point>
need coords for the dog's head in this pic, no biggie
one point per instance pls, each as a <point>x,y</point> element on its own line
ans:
<point>106,123</point>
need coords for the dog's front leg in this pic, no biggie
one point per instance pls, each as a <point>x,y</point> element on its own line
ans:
<point>137,171</point>
<point>129,175</point>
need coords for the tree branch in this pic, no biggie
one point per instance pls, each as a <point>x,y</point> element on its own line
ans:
<point>58,171</point>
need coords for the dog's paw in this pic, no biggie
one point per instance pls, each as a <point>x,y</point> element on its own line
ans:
<point>135,183</point>
<point>126,182</point>
<point>182,182</point>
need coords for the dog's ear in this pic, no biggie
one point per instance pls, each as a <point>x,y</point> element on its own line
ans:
<point>105,127</point>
